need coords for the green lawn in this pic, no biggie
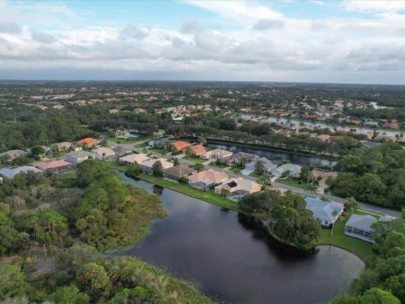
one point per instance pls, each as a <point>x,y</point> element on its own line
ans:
<point>209,196</point>
<point>214,164</point>
<point>195,159</point>
<point>339,239</point>
<point>254,174</point>
<point>125,141</point>
<point>292,182</point>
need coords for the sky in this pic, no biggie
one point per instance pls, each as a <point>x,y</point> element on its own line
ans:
<point>276,41</point>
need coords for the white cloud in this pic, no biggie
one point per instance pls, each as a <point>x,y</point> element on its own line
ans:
<point>374,6</point>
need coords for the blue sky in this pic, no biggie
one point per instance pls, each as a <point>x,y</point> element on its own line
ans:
<point>320,41</point>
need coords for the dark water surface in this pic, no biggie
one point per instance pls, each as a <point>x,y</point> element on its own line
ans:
<point>272,155</point>
<point>229,259</point>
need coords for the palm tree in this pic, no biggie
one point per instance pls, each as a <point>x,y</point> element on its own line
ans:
<point>264,179</point>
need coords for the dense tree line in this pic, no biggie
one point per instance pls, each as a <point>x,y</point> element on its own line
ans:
<point>375,176</point>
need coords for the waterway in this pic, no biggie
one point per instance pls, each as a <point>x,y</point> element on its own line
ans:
<point>228,256</point>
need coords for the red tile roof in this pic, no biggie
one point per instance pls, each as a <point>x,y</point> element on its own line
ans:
<point>87,141</point>
<point>52,164</point>
<point>181,145</point>
<point>198,149</point>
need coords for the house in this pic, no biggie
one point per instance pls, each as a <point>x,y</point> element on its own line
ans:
<point>104,153</point>
<point>198,150</point>
<point>250,167</point>
<point>324,137</point>
<point>148,164</point>
<point>216,154</point>
<point>238,187</point>
<point>392,125</point>
<point>176,172</point>
<point>121,150</point>
<point>180,145</point>
<point>88,142</point>
<point>294,170</point>
<point>159,143</point>
<point>326,213</point>
<point>207,178</point>
<point>78,157</point>
<point>11,172</point>
<point>55,166</point>
<point>11,154</point>
<point>237,157</point>
<point>359,226</point>
<point>63,146</point>
<point>134,158</point>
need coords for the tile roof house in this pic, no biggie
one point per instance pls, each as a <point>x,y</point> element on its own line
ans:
<point>11,172</point>
<point>176,172</point>
<point>63,146</point>
<point>238,187</point>
<point>88,141</point>
<point>294,170</point>
<point>134,158</point>
<point>11,154</point>
<point>104,153</point>
<point>324,211</point>
<point>180,145</point>
<point>78,157</point>
<point>198,150</point>
<point>55,166</point>
<point>324,137</point>
<point>121,150</point>
<point>206,178</point>
<point>216,154</point>
<point>359,226</point>
<point>148,164</point>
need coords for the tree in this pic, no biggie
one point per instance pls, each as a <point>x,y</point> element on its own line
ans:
<point>12,282</point>
<point>202,140</point>
<point>351,204</point>
<point>37,151</point>
<point>133,170</point>
<point>69,295</point>
<point>264,179</point>
<point>157,169</point>
<point>91,170</point>
<point>259,167</point>
<point>292,222</point>
<point>199,167</point>
<point>176,161</point>
<point>259,201</point>
<point>94,274</point>
<point>225,192</point>
<point>335,213</point>
<point>188,151</point>
<point>183,180</point>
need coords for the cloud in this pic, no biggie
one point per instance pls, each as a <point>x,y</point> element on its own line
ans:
<point>132,32</point>
<point>267,24</point>
<point>374,6</point>
<point>43,37</point>
<point>9,28</point>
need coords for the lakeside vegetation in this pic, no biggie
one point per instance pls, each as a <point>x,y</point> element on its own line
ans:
<point>52,233</point>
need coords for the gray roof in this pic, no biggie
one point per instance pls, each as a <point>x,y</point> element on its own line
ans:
<point>322,210</point>
<point>239,155</point>
<point>370,144</point>
<point>78,154</point>
<point>14,153</point>
<point>11,172</point>
<point>179,171</point>
<point>361,222</point>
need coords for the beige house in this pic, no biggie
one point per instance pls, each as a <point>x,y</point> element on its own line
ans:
<point>63,146</point>
<point>238,187</point>
<point>216,154</point>
<point>104,153</point>
<point>206,178</point>
<point>148,164</point>
<point>134,158</point>
<point>78,157</point>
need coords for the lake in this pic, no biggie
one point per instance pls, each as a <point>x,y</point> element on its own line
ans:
<point>227,256</point>
<point>294,158</point>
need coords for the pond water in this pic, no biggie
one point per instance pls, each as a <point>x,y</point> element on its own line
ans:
<point>274,155</point>
<point>228,257</point>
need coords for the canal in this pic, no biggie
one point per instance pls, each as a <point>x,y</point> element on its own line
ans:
<point>228,256</point>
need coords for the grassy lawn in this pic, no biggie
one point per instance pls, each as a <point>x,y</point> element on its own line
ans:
<point>209,196</point>
<point>356,246</point>
<point>67,175</point>
<point>214,164</point>
<point>195,159</point>
<point>236,170</point>
<point>125,141</point>
<point>254,174</point>
<point>117,166</point>
<point>292,182</point>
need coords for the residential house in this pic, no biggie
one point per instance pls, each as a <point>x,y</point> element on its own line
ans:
<point>78,157</point>
<point>394,124</point>
<point>159,143</point>
<point>250,167</point>
<point>326,213</point>
<point>134,158</point>
<point>207,178</point>
<point>63,146</point>
<point>237,157</point>
<point>88,142</point>
<point>55,166</point>
<point>238,187</point>
<point>216,154</point>
<point>324,137</point>
<point>104,153</point>
<point>11,154</point>
<point>293,170</point>
<point>121,150</point>
<point>176,172</point>
<point>180,145</point>
<point>359,226</point>
<point>148,164</point>
<point>198,150</point>
<point>11,172</point>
